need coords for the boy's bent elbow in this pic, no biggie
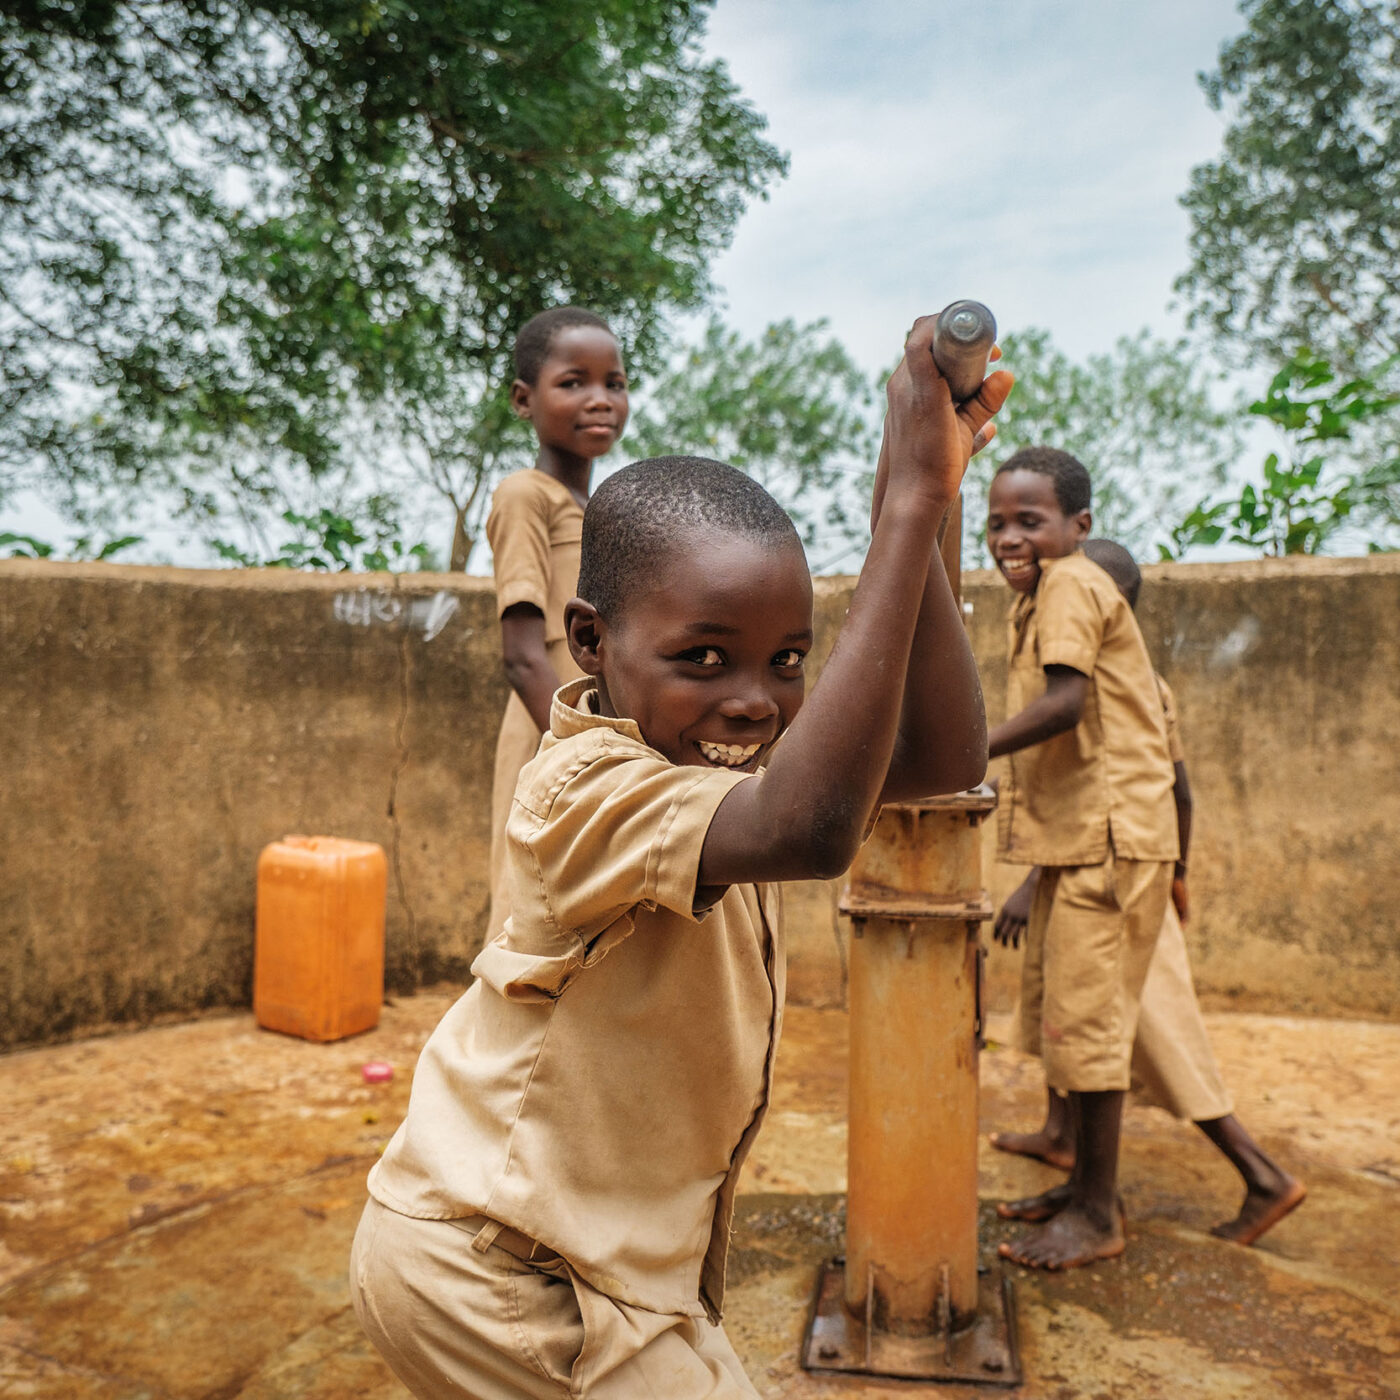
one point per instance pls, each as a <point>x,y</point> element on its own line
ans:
<point>827,865</point>
<point>831,861</point>
<point>827,847</point>
<point>951,778</point>
<point>966,774</point>
<point>940,775</point>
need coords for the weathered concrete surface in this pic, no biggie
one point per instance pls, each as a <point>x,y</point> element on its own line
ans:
<point>161,726</point>
<point>176,1208</point>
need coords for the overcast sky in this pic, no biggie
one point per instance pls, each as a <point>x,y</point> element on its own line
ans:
<point>1028,154</point>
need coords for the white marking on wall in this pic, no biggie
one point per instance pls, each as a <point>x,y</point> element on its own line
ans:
<point>1232,650</point>
<point>369,607</point>
<point>435,612</point>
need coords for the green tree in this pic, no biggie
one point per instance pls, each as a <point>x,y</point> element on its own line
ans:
<point>1295,228</point>
<point>14,546</point>
<point>791,407</point>
<point>1141,417</point>
<point>266,257</point>
<point>1303,501</point>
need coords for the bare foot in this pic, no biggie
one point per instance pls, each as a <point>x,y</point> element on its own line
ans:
<point>1262,1210</point>
<point>1041,1146</point>
<point>1071,1238</point>
<point>1036,1208</point>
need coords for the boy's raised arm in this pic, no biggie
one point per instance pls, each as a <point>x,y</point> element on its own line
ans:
<point>941,745</point>
<point>804,815</point>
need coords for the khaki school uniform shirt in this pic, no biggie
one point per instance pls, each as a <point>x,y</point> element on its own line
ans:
<point>599,1085</point>
<point>1109,779</point>
<point>535,529</point>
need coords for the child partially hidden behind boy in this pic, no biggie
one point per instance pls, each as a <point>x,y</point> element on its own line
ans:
<point>552,1218</point>
<point>1173,1065</point>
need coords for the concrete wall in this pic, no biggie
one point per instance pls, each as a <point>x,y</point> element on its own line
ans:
<point>159,727</point>
<point>1287,673</point>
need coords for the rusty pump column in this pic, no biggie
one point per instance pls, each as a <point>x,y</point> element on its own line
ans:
<point>915,899</point>
<point>909,1299</point>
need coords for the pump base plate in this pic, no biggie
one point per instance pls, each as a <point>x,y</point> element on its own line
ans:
<point>983,1352</point>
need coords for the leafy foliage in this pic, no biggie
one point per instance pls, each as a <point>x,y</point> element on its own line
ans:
<point>1140,418</point>
<point>85,547</point>
<point>330,542</point>
<point>1295,229</point>
<point>791,408</point>
<point>252,255</point>
<point>1300,505</point>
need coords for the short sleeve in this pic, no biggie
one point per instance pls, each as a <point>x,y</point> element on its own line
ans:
<point>624,830</point>
<point>518,530</point>
<point>1069,622</point>
<point>1173,722</point>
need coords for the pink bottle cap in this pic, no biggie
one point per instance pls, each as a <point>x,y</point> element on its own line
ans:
<point>377,1072</point>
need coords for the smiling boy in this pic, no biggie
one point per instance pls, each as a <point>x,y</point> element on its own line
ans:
<point>571,387</point>
<point>1173,1065</point>
<point>553,1216</point>
<point>1089,800</point>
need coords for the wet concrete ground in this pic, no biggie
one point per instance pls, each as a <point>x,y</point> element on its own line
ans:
<point>176,1207</point>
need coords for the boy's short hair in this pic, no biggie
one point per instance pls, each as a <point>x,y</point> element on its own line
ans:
<point>636,517</point>
<point>534,338</point>
<point>1070,477</point>
<point>1118,564</point>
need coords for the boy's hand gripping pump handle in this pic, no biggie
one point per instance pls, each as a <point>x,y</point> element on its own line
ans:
<point>963,337</point>
<point>962,341</point>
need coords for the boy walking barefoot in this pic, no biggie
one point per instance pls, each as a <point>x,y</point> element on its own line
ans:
<point>1173,1065</point>
<point>552,1218</point>
<point>1089,800</point>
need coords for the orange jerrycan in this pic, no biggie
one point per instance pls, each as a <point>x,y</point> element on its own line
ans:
<point>318,967</point>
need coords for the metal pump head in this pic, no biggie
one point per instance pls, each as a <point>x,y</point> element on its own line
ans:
<point>962,341</point>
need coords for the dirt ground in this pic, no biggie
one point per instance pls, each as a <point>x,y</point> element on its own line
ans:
<point>176,1207</point>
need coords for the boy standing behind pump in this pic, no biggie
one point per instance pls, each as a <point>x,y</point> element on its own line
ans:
<point>1089,799</point>
<point>1173,1064</point>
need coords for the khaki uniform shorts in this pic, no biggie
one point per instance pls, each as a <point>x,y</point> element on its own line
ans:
<point>460,1322</point>
<point>1174,1066</point>
<point>1089,942</point>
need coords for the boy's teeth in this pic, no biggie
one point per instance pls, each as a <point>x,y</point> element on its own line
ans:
<point>730,755</point>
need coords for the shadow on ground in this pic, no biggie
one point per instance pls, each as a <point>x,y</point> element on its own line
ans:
<point>176,1207</point>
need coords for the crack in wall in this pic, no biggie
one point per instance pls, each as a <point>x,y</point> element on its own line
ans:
<point>395,825</point>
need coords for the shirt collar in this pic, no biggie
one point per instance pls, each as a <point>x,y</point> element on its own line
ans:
<point>1025,602</point>
<point>573,711</point>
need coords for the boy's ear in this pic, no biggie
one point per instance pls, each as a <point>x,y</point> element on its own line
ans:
<point>1083,524</point>
<point>585,631</point>
<point>520,398</point>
